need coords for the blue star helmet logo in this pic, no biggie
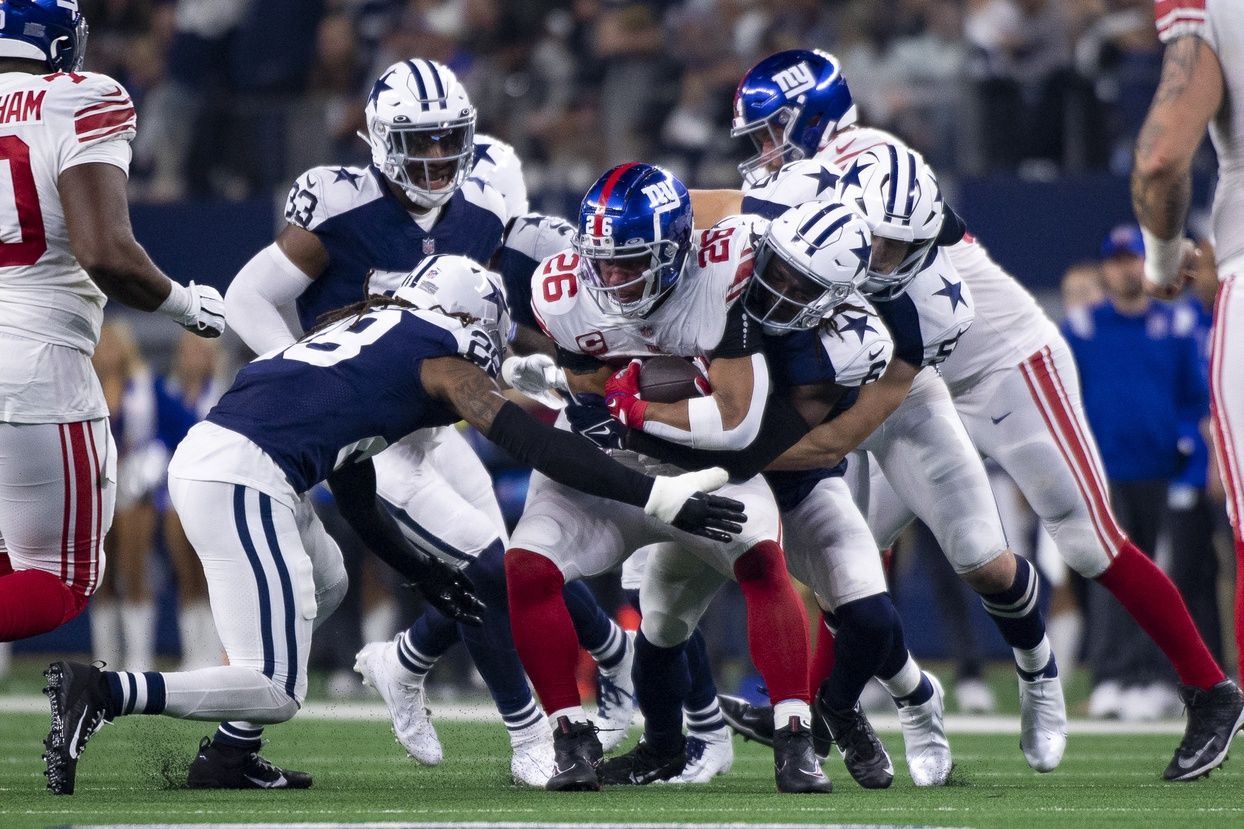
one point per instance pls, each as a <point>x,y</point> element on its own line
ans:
<point>953,291</point>
<point>381,85</point>
<point>497,298</point>
<point>345,175</point>
<point>858,325</point>
<point>863,251</point>
<point>851,178</point>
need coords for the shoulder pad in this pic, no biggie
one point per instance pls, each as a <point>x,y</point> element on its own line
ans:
<point>498,164</point>
<point>324,192</point>
<point>798,182</point>
<point>945,307</point>
<point>484,195</point>
<point>98,106</point>
<point>857,344</point>
<point>725,253</point>
<point>537,236</point>
<point>556,294</point>
<point>847,145</point>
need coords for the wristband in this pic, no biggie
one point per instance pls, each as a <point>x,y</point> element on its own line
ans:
<point>1162,257</point>
<point>178,302</point>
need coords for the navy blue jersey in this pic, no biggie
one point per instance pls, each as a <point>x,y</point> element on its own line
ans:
<point>341,395</point>
<point>364,227</point>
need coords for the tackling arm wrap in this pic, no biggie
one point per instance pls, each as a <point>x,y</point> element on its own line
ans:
<point>260,300</point>
<point>704,415</point>
<point>354,488</point>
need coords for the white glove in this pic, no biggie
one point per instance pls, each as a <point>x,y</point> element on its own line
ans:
<point>535,376</point>
<point>669,495</point>
<point>200,309</point>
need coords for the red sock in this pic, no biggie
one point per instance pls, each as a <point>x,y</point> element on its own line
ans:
<point>543,633</point>
<point>777,628</point>
<point>1239,602</point>
<point>1154,602</point>
<point>823,656</point>
<point>34,602</point>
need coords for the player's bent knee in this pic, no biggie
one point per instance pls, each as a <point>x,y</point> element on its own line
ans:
<point>994,576</point>
<point>330,596</point>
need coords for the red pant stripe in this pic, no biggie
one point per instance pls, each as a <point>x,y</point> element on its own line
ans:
<point>64,531</point>
<point>1224,439</point>
<point>84,504</point>
<point>97,484</point>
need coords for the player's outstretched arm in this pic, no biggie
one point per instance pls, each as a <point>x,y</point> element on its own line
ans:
<point>97,218</point>
<point>1188,95</point>
<point>261,299</point>
<point>574,461</point>
<point>447,589</point>
<point>828,443</point>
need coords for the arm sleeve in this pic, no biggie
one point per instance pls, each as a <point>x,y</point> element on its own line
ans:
<point>354,488</point>
<point>567,458</point>
<point>260,301</point>
<point>781,428</point>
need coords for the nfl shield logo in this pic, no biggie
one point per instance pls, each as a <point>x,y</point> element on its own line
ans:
<point>429,247</point>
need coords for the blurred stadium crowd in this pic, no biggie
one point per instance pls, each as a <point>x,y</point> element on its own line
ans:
<point>236,97</point>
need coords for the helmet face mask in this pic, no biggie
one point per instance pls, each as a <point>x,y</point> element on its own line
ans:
<point>773,149</point>
<point>421,128</point>
<point>633,237</point>
<point>783,299</point>
<point>51,31</point>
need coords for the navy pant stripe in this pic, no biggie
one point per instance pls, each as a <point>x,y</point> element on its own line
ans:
<point>261,580</point>
<point>287,593</point>
<point>429,542</point>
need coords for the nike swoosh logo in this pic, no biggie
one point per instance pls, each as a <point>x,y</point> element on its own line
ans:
<point>73,742</point>
<point>997,420</point>
<point>873,355</point>
<point>1187,763</point>
<point>267,784</point>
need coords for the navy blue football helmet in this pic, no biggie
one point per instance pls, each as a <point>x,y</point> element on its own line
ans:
<point>790,104</point>
<point>634,235</point>
<point>52,31</point>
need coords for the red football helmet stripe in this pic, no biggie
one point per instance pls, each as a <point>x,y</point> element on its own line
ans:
<point>605,192</point>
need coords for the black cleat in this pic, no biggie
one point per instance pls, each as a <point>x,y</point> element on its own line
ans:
<point>576,756</point>
<point>226,767</point>
<point>1214,716</point>
<point>80,701</point>
<point>641,766</point>
<point>862,752</point>
<point>794,761</point>
<point>822,738</point>
<point>752,722</point>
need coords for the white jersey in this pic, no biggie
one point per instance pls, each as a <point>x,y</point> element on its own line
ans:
<point>50,309</point>
<point>691,322</point>
<point>1220,23</point>
<point>497,163</point>
<point>1009,327</point>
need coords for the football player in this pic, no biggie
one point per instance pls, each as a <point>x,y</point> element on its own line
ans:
<point>65,138</point>
<point>1202,81</point>
<point>1015,387</point>
<point>635,285</point>
<point>317,411</point>
<point>429,189</point>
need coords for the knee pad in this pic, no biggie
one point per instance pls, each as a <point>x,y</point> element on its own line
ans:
<point>329,597</point>
<point>666,630</point>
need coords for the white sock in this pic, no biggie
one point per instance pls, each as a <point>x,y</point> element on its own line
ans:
<point>905,682</point>
<point>138,629</point>
<point>106,634</point>
<point>1065,630</point>
<point>1035,659</point>
<point>787,708</point>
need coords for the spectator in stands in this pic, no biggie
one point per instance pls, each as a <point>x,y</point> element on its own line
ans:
<point>1145,393</point>
<point>1081,286</point>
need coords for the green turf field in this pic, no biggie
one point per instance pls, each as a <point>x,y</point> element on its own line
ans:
<point>131,773</point>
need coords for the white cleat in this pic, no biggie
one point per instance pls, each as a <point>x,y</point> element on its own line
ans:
<point>1042,722</point>
<point>531,763</point>
<point>709,754</point>
<point>924,737</point>
<point>615,699</point>
<point>377,662</point>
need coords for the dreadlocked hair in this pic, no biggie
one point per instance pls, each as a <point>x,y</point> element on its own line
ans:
<point>357,309</point>
<point>830,323</point>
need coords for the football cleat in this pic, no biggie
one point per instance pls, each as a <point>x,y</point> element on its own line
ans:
<point>751,722</point>
<point>862,751</point>
<point>794,762</point>
<point>709,753</point>
<point>412,724</point>
<point>1043,722</point>
<point>576,756</point>
<point>822,738</point>
<point>1214,717</point>
<point>226,767</point>
<point>924,737</point>
<point>641,766</point>
<point>615,699</point>
<point>531,763</point>
<point>78,695</point>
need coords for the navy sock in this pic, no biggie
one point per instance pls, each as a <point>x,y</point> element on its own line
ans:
<point>703,689</point>
<point>238,735</point>
<point>1016,610</point>
<point>661,687</point>
<point>134,693</point>
<point>597,633</point>
<point>922,694</point>
<point>864,640</point>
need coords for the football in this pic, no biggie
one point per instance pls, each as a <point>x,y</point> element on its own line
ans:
<point>670,379</point>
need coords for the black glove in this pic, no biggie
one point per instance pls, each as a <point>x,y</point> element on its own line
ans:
<point>449,591</point>
<point>589,417</point>
<point>711,516</point>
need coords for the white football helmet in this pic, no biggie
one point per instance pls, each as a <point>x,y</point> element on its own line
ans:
<point>458,287</point>
<point>812,258</point>
<point>421,128</point>
<point>897,194</point>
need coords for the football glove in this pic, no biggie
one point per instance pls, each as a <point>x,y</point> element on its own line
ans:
<point>622,396</point>
<point>682,502</point>
<point>535,376</point>
<point>448,590</point>
<point>590,418</point>
<point>200,309</point>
